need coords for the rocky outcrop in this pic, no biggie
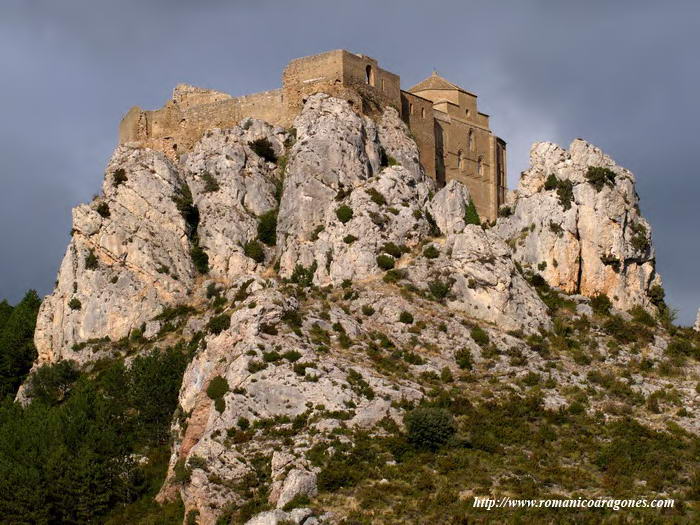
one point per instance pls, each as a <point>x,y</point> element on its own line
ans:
<point>340,165</point>
<point>131,248</point>
<point>449,208</point>
<point>576,221</point>
<point>477,274</point>
<point>232,186</point>
<point>697,322</point>
<point>128,255</point>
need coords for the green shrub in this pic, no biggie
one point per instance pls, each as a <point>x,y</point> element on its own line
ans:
<point>170,313</point>
<point>601,304</point>
<point>565,192</point>
<point>189,212</point>
<point>406,317</point>
<point>349,239</point>
<point>505,211</point>
<point>254,250</point>
<point>267,227</point>
<point>640,243</point>
<point>471,216</point>
<point>679,346</point>
<point>91,261</point>
<point>394,276</point>
<point>367,310</point>
<point>210,182</point>
<point>439,289</point>
<point>464,359</point>
<point>75,304</point>
<point>119,177</point>
<point>385,262</point>
<point>219,323</point>
<point>302,276</point>
<point>622,331</point>
<point>392,249</point>
<point>220,404</point>
<point>200,259</point>
<point>292,356</point>
<point>639,240</point>
<point>316,232</point>
<point>263,148</point>
<point>218,387</point>
<point>479,336</point>
<point>256,366</point>
<point>551,183</point>
<point>359,385</point>
<point>344,213</point>
<point>431,252</point>
<point>212,290</point>
<point>429,428</point>
<point>103,210</point>
<point>641,316</point>
<point>271,357</point>
<point>599,177</point>
<point>376,196</point>
<point>446,375</point>
<point>300,368</point>
<point>657,295</point>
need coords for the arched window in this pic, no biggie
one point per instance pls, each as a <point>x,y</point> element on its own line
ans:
<point>369,72</point>
<point>422,112</point>
<point>480,166</point>
<point>410,108</point>
<point>471,139</point>
<point>467,113</point>
<point>460,160</point>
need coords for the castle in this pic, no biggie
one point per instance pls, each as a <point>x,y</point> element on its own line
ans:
<point>453,137</point>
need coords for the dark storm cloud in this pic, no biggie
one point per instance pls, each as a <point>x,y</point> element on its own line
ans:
<point>622,75</point>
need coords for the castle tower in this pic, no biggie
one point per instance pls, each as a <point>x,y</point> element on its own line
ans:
<point>465,147</point>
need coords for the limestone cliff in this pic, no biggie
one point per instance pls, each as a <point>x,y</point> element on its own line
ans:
<point>326,284</point>
<point>576,221</point>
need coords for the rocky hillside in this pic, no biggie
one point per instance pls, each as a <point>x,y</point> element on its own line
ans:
<point>336,301</point>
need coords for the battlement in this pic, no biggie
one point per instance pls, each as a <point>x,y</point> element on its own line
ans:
<point>453,137</point>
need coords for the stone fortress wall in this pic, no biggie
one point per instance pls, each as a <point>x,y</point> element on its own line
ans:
<point>453,137</point>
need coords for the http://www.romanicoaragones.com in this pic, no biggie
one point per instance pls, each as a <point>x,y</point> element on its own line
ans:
<point>577,503</point>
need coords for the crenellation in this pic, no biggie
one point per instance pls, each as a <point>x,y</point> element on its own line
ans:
<point>453,137</point>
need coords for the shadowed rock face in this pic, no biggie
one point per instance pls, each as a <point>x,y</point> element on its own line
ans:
<point>291,356</point>
<point>582,231</point>
<point>129,255</point>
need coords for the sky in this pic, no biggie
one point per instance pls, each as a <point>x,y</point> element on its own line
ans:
<point>621,74</point>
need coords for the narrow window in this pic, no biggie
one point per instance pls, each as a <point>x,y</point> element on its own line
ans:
<point>480,166</point>
<point>369,75</point>
<point>471,140</point>
<point>460,160</point>
<point>422,112</point>
<point>410,108</point>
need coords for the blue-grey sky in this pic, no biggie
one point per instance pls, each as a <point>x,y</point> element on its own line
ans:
<point>622,74</point>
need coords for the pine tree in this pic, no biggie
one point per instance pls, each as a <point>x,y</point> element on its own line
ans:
<point>471,216</point>
<point>17,351</point>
